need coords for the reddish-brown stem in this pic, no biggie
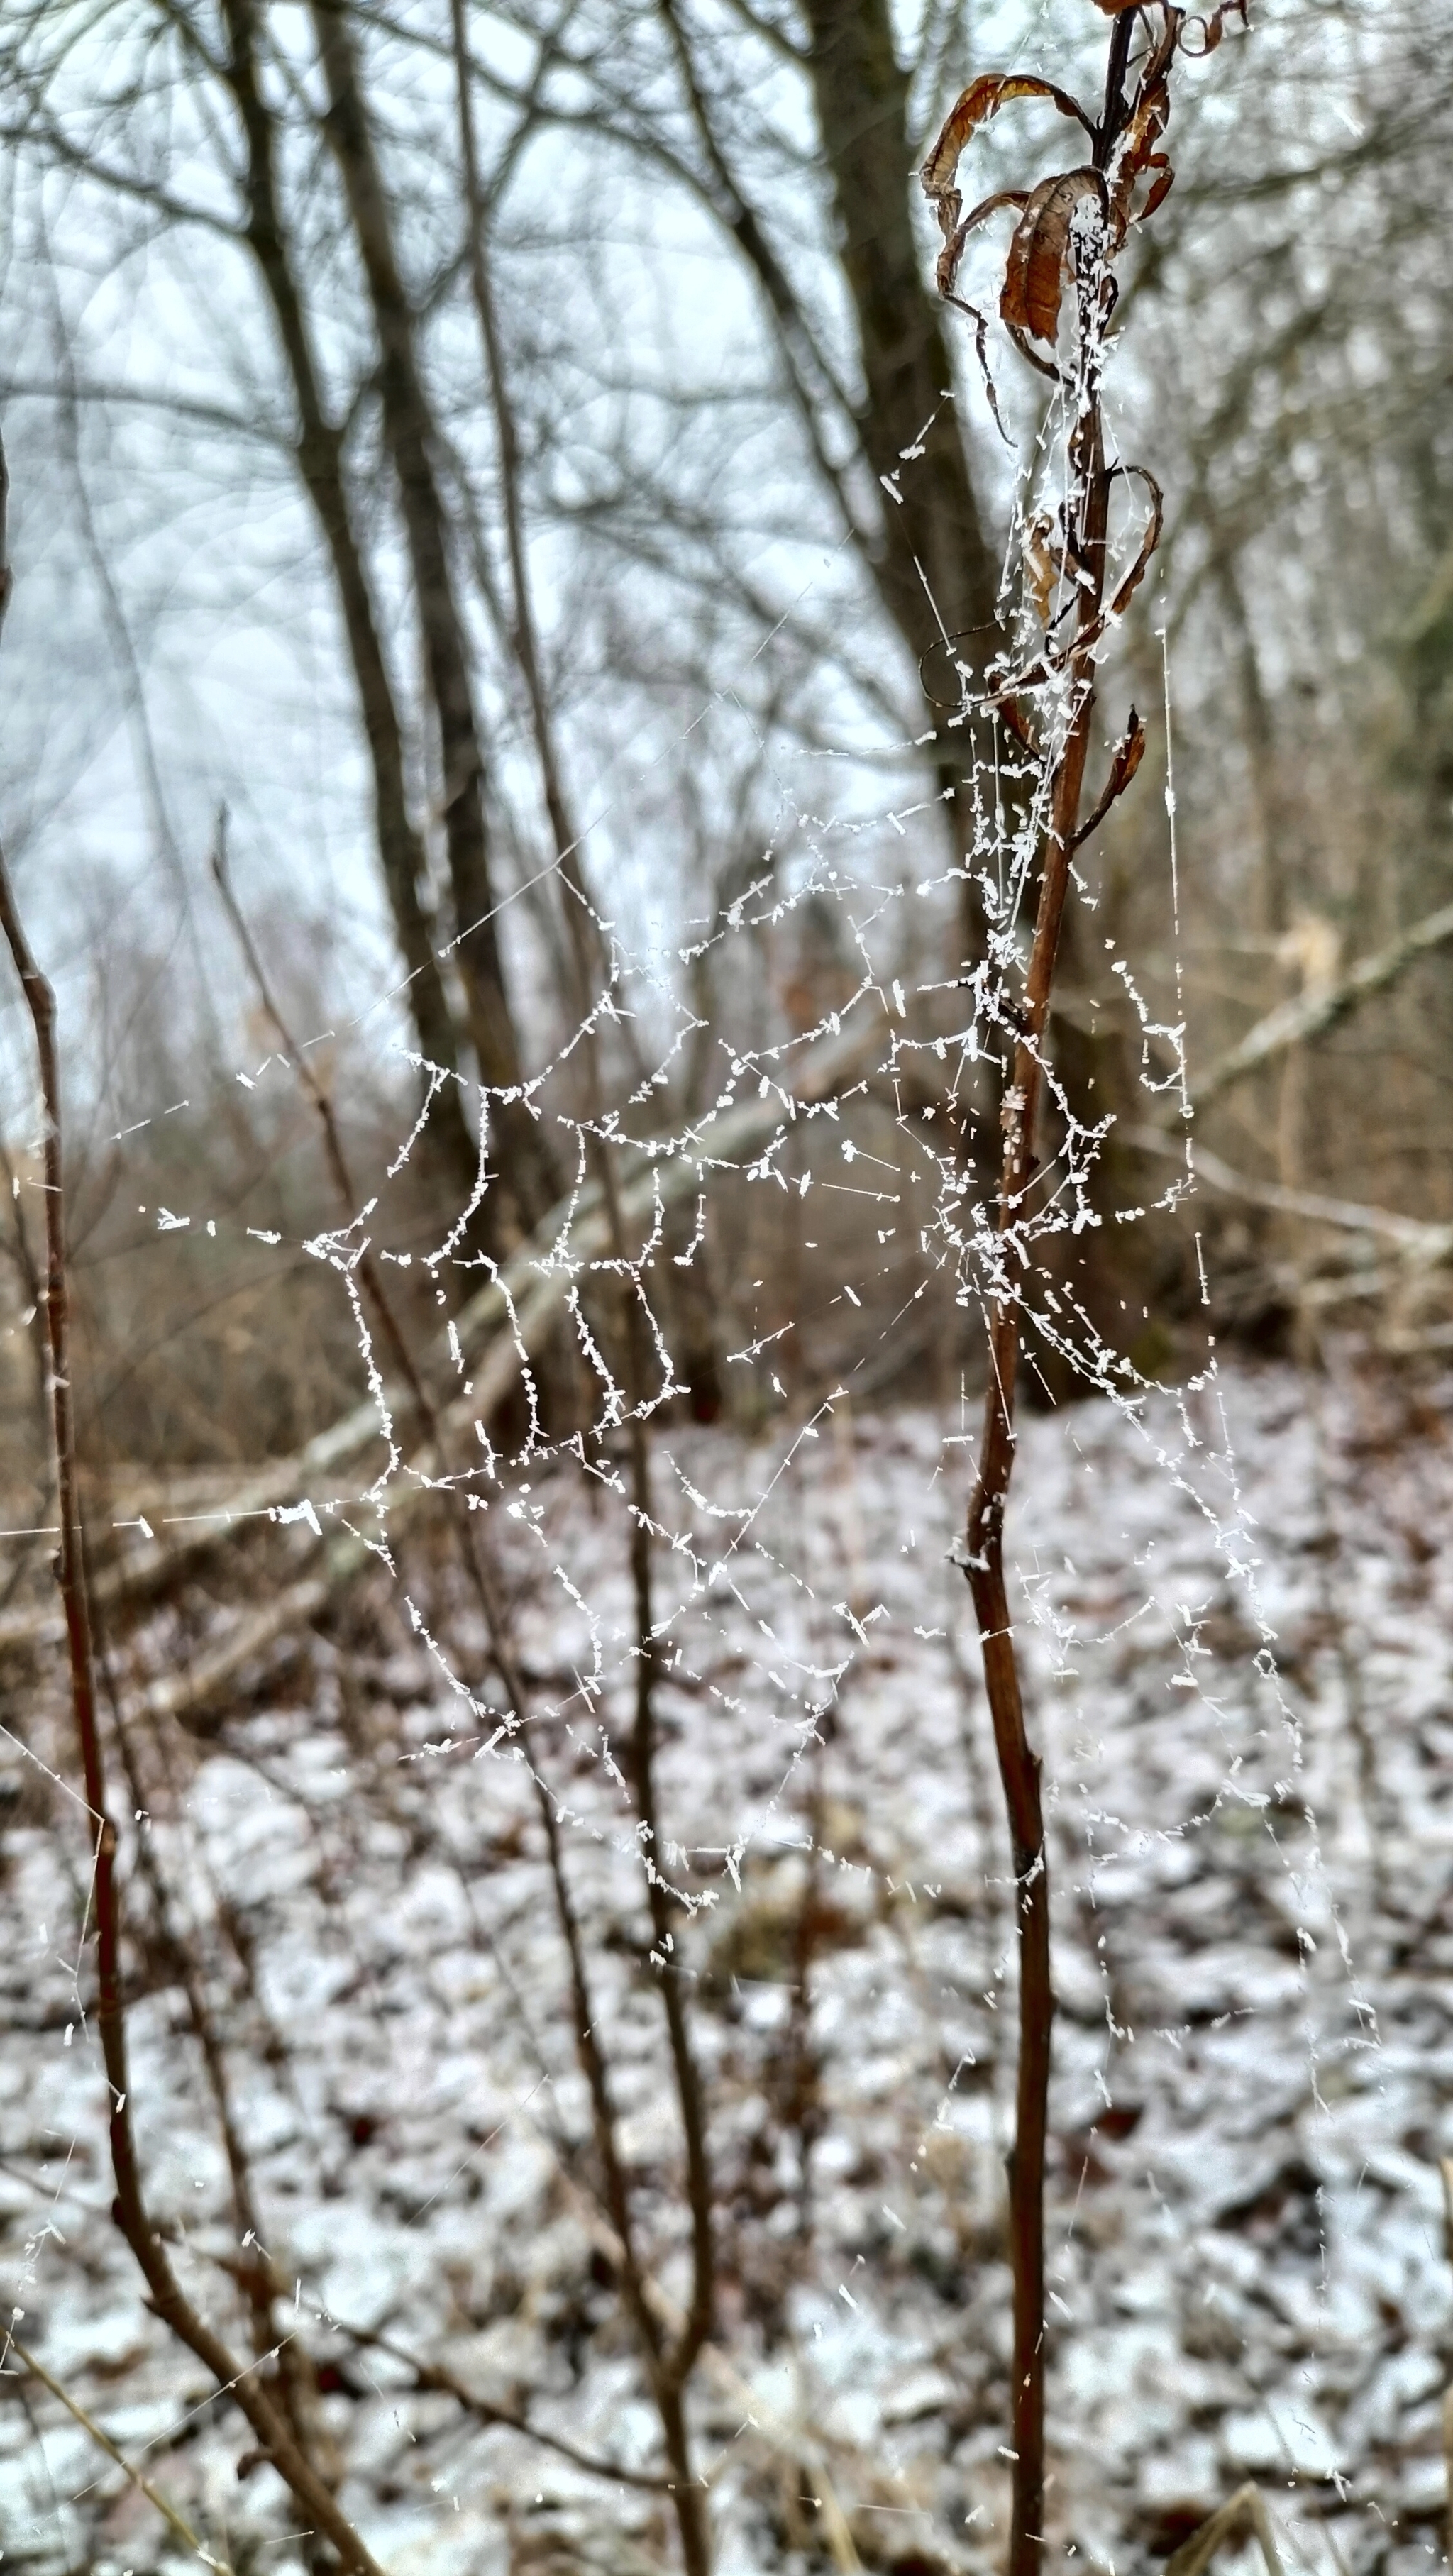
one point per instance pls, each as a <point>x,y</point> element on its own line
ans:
<point>1019,1768</point>
<point>167,2296</point>
<point>1019,1764</point>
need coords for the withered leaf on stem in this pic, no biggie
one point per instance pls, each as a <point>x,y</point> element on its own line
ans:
<point>1136,155</point>
<point>953,249</point>
<point>1124,761</point>
<point>1210,30</point>
<point>982,99</point>
<point>1034,278</point>
<point>1129,753</point>
<point>1043,565</point>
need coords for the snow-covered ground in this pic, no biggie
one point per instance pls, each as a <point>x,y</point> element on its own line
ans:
<point>1252,1858</point>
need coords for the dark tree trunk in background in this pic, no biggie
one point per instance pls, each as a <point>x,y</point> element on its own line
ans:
<point>409,436</point>
<point>320,463</point>
<point>933,568</point>
<point>925,550</point>
<point>861,92</point>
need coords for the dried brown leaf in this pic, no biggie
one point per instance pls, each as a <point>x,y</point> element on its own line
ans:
<point>1034,278</point>
<point>1137,153</point>
<point>953,249</point>
<point>1212,29</point>
<point>1124,761</point>
<point>1042,566</point>
<point>1148,543</point>
<point>1129,752</point>
<point>1160,186</point>
<point>982,99</point>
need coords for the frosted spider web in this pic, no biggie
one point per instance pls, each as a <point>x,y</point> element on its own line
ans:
<point>1245,2276</point>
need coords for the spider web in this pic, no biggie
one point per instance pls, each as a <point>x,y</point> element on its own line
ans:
<point>1242,2188</point>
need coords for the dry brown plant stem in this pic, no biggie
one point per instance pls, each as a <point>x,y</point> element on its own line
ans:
<point>1123,150</point>
<point>256,2276</point>
<point>1242,2516</point>
<point>588,2047</point>
<point>435,2379</point>
<point>167,2296</point>
<point>1019,1765</point>
<point>154,2496</point>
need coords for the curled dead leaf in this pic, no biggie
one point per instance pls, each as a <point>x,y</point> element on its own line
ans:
<point>953,249</point>
<point>1124,761</point>
<point>1034,278</point>
<point>1211,30</point>
<point>1041,565</point>
<point>1085,637</point>
<point>982,99</point>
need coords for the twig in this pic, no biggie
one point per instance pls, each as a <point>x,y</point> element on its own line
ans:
<point>667,2366</point>
<point>153,2495</point>
<point>259,2279</point>
<point>769,2427</point>
<point>1043,249</point>
<point>1242,2514</point>
<point>1312,1015</point>
<point>321,1099</point>
<point>435,2377</point>
<point>167,2296</point>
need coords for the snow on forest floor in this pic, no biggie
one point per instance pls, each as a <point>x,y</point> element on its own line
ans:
<point>1252,1867</point>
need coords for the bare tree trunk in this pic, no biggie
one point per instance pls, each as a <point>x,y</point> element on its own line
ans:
<point>926,549</point>
<point>408,429</point>
<point>933,539</point>
<point>933,568</point>
<point>320,462</point>
<point>587,968</point>
<point>1260,739</point>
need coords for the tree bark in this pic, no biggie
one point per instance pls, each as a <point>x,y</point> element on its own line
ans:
<point>320,463</point>
<point>408,430</point>
<point>925,547</point>
<point>934,564</point>
<point>933,568</point>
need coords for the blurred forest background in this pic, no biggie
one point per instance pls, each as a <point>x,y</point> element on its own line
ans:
<point>497,510</point>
